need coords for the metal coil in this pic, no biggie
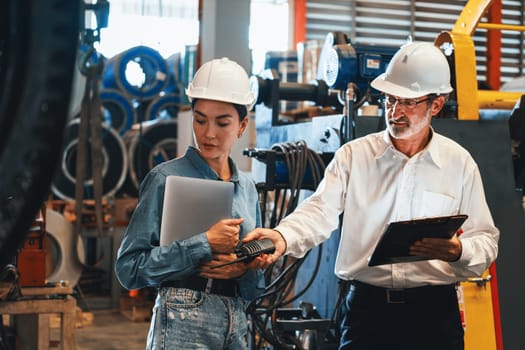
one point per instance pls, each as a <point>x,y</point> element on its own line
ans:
<point>174,64</point>
<point>114,168</point>
<point>154,69</point>
<point>118,112</point>
<point>163,107</point>
<point>67,251</point>
<point>149,144</point>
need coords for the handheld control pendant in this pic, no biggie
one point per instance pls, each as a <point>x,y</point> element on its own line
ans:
<point>250,250</point>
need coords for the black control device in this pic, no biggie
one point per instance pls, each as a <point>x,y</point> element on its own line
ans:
<point>250,250</point>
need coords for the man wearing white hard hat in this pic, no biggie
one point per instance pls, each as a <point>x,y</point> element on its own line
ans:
<point>199,306</point>
<point>405,172</point>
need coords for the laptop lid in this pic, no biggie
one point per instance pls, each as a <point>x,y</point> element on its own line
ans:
<point>192,205</point>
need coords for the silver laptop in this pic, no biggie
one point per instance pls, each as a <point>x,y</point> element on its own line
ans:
<point>193,205</point>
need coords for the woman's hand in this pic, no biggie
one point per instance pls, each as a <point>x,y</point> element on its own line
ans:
<point>223,237</point>
<point>224,272</point>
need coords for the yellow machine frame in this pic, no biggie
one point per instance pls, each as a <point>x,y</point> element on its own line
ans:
<point>469,98</point>
<point>478,297</point>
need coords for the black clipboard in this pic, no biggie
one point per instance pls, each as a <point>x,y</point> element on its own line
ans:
<point>393,247</point>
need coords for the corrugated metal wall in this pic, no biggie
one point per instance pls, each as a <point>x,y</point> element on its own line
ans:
<point>392,22</point>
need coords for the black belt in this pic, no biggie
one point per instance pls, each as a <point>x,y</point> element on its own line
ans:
<point>228,288</point>
<point>402,295</point>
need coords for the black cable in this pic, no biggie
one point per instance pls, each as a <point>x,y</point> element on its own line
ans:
<point>276,290</point>
<point>298,160</point>
<point>311,280</point>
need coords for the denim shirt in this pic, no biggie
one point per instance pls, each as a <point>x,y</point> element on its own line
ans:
<point>141,262</point>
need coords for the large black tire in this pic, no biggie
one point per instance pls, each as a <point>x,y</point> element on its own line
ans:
<point>38,43</point>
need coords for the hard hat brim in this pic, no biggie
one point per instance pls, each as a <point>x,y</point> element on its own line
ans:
<point>381,84</point>
<point>248,101</point>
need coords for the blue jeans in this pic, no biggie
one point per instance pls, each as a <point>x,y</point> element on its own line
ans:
<point>187,319</point>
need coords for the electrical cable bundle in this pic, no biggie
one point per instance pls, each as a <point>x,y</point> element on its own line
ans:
<point>301,162</point>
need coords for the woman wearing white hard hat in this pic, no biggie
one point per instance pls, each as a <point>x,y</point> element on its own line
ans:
<point>197,306</point>
<point>403,173</point>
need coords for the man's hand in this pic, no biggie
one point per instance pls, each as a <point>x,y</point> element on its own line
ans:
<point>438,248</point>
<point>223,237</point>
<point>265,260</point>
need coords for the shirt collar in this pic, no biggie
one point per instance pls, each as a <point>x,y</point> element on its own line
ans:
<point>386,146</point>
<point>432,151</point>
<point>208,173</point>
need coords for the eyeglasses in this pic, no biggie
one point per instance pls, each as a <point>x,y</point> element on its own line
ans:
<point>408,104</point>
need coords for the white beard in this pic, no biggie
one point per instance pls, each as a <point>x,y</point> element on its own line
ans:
<point>409,130</point>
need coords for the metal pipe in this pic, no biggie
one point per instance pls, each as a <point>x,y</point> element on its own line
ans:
<point>501,26</point>
<point>497,99</point>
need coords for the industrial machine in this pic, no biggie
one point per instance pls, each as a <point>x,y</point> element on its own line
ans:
<point>292,154</point>
<point>491,307</point>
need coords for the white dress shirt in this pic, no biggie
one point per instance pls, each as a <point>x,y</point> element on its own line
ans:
<point>373,184</point>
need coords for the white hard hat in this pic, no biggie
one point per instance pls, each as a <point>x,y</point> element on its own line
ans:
<point>222,80</point>
<point>417,69</point>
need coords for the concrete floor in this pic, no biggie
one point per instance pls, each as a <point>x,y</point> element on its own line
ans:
<point>110,330</point>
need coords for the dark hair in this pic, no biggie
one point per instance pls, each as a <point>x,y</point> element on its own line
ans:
<point>241,109</point>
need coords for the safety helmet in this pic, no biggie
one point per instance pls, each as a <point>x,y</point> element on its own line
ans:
<point>416,69</point>
<point>222,80</point>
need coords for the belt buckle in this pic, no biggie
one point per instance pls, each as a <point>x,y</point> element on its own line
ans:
<point>395,296</point>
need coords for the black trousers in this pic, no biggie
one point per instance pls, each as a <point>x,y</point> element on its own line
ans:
<point>424,318</point>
